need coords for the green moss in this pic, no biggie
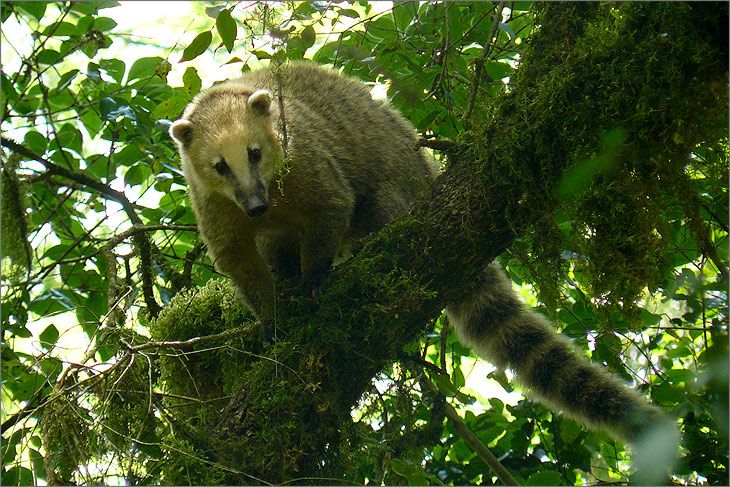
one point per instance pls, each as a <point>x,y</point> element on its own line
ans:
<point>14,229</point>
<point>185,466</point>
<point>65,436</point>
<point>607,115</point>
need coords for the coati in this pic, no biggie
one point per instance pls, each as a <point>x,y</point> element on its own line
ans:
<point>261,204</point>
<point>280,195</point>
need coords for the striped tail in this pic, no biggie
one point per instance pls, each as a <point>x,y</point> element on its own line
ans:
<point>499,328</point>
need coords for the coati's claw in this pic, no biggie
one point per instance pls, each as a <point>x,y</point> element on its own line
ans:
<point>313,290</point>
<point>268,331</point>
<point>314,284</point>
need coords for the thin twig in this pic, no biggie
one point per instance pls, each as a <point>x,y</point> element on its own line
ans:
<point>481,61</point>
<point>194,342</point>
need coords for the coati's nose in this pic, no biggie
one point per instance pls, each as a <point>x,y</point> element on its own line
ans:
<point>254,205</point>
<point>258,210</point>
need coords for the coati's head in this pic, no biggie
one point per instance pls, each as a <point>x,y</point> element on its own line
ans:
<point>227,139</point>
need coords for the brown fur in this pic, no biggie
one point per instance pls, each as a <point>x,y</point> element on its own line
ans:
<point>353,166</point>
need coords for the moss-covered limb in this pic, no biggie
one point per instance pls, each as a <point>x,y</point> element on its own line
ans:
<point>14,225</point>
<point>602,105</point>
<point>618,102</point>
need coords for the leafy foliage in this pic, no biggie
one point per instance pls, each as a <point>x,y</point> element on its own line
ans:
<point>98,236</point>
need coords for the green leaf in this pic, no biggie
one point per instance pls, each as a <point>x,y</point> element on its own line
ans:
<point>414,475</point>
<point>136,174</point>
<point>144,67</point>
<point>97,302</point>
<point>460,451</point>
<point>26,386</point>
<point>309,37</point>
<point>84,23</point>
<point>69,137</point>
<point>36,460</point>
<point>444,385</point>
<point>114,68</point>
<point>497,405</point>
<point>47,56</point>
<point>66,79</point>
<point>92,122</point>
<point>170,108</point>
<point>104,24</point>
<point>36,142</point>
<point>403,13</point>
<point>197,47</point>
<point>348,12</point>
<point>51,367</point>
<point>665,393</point>
<point>18,476</point>
<point>192,81</point>
<point>497,70</point>
<point>128,156</point>
<point>546,477</point>
<point>521,5</point>
<point>49,337</point>
<point>89,8</point>
<point>36,9</point>
<point>9,445</point>
<point>227,29</point>
<point>51,302</point>
<point>457,377</point>
<point>261,54</point>
<point>61,29</point>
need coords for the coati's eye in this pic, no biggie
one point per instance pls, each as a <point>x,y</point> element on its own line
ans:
<point>254,155</point>
<point>221,167</point>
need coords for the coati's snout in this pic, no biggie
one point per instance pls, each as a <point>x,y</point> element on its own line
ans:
<point>254,203</point>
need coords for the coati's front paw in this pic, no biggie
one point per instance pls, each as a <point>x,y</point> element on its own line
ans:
<point>238,294</point>
<point>313,284</point>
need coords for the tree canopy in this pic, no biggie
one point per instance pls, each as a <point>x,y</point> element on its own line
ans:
<point>584,146</point>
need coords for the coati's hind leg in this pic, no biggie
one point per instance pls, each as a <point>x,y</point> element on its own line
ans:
<point>501,329</point>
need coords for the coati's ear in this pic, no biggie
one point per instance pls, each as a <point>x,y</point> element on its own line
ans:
<point>182,131</point>
<point>260,101</point>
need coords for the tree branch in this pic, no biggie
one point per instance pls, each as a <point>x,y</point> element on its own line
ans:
<point>141,239</point>
<point>479,448</point>
<point>436,144</point>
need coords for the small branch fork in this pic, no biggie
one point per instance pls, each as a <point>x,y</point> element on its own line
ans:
<point>193,342</point>
<point>38,402</point>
